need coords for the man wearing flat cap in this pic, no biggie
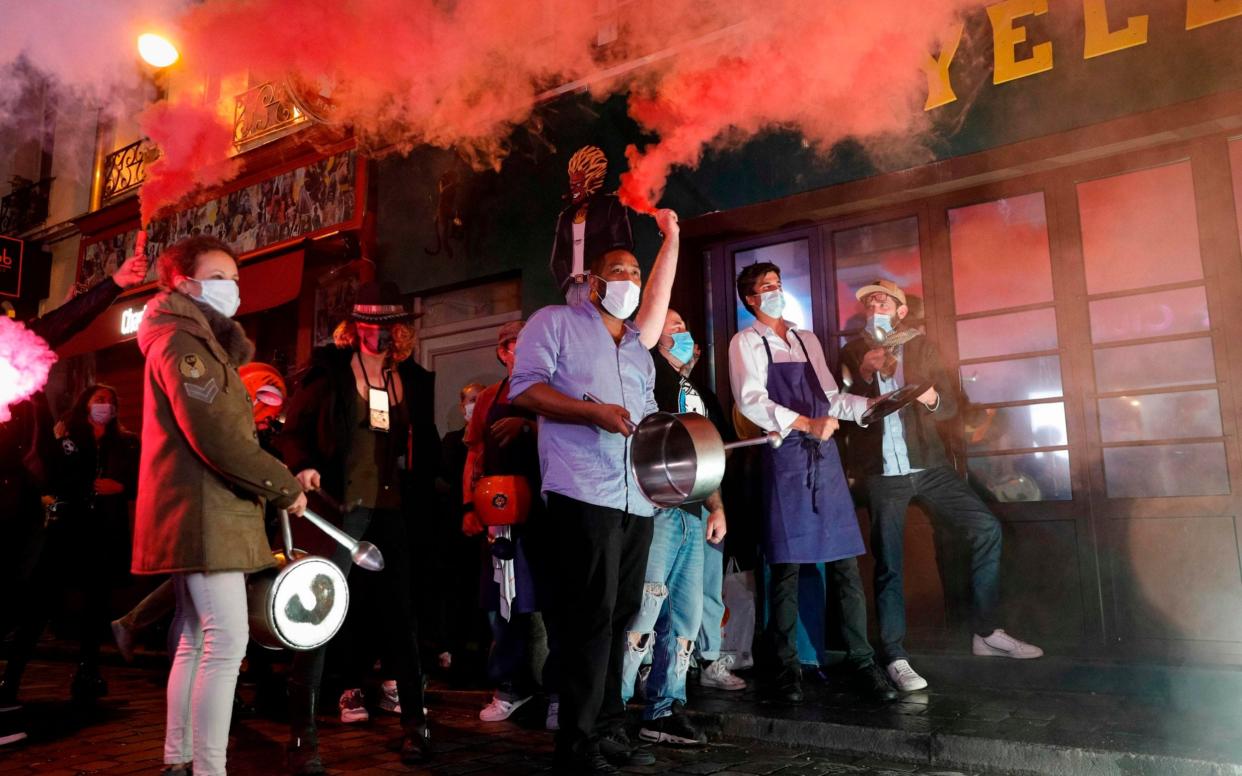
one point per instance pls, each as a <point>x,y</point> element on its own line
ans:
<point>902,458</point>
<point>360,425</point>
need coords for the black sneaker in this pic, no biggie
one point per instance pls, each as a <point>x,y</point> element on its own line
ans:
<point>786,686</point>
<point>302,759</point>
<point>617,749</point>
<point>416,745</point>
<point>87,685</point>
<point>580,764</point>
<point>675,729</point>
<point>871,682</point>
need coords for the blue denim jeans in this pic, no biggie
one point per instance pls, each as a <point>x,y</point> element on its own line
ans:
<point>951,502</point>
<point>667,623</point>
<point>710,639</point>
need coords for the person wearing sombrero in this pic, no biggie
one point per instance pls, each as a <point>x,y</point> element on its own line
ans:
<point>360,428</point>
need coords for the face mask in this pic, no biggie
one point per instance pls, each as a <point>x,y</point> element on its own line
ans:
<point>102,413</point>
<point>468,411</point>
<point>683,347</point>
<point>376,340</point>
<point>772,303</point>
<point>221,295</point>
<point>621,298</point>
<point>880,322</point>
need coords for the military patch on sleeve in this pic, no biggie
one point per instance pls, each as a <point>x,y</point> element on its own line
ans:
<point>192,366</point>
<point>205,393</point>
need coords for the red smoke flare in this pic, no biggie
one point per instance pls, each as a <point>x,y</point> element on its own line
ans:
<point>25,360</point>
<point>194,147</point>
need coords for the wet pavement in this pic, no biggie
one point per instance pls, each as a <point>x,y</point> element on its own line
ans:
<point>124,735</point>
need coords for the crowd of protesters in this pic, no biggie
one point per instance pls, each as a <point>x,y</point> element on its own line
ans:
<point>520,551</point>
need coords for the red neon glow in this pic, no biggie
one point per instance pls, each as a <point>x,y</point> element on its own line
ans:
<point>25,360</point>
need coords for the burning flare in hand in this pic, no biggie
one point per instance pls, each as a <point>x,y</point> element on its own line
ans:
<point>25,360</point>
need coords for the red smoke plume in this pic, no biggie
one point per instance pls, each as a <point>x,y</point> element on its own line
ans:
<point>194,146</point>
<point>25,360</point>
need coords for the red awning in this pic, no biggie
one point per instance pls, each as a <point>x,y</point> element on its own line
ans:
<point>265,283</point>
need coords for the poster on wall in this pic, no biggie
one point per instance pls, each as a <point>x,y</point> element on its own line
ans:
<point>293,205</point>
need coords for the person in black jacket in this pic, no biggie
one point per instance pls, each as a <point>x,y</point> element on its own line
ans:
<point>903,457</point>
<point>27,443</point>
<point>668,623</point>
<point>361,423</point>
<point>593,224</point>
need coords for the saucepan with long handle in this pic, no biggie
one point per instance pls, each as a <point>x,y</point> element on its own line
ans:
<point>680,457</point>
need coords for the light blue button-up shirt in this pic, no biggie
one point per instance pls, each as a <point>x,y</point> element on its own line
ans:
<point>896,455</point>
<point>569,349</point>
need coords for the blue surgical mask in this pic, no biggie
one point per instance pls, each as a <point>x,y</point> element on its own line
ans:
<point>772,303</point>
<point>683,347</point>
<point>880,322</point>
<point>102,413</point>
<point>221,294</point>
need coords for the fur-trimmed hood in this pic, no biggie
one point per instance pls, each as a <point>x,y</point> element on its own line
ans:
<point>169,311</point>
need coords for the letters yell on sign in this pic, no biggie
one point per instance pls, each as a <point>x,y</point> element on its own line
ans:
<point>1009,33</point>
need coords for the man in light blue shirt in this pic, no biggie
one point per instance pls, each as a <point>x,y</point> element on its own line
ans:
<point>599,521</point>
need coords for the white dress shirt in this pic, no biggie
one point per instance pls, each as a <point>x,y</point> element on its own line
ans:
<point>748,376</point>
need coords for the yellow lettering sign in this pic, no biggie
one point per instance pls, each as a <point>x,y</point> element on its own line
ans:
<point>939,87</point>
<point>1200,13</point>
<point>1099,40</point>
<point>1006,37</point>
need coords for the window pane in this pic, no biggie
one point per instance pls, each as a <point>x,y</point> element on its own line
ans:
<point>1150,315</point>
<point>1140,229</point>
<point>1000,254</point>
<point>1026,477</point>
<point>890,251</point>
<point>1012,428</point>
<point>1166,470</point>
<point>1001,335</point>
<point>1154,365</point>
<point>1160,416</point>
<point>794,260</point>
<point>1027,378</point>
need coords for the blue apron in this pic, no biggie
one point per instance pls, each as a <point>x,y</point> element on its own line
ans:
<point>810,514</point>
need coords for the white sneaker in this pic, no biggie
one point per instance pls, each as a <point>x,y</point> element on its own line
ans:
<point>905,678</point>
<point>499,709</point>
<point>719,676</point>
<point>389,700</point>
<point>553,721</point>
<point>1001,644</point>
<point>353,707</point>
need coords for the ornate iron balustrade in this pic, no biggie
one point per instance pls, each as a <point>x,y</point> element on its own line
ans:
<point>264,111</point>
<point>125,168</point>
<point>25,207</point>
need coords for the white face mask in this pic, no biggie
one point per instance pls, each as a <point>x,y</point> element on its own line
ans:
<point>468,411</point>
<point>772,303</point>
<point>102,413</point>
<point>221,295</point>
<point>621,298</point>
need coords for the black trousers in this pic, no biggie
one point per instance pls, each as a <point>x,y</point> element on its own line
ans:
<point>600,562</point>
<point>782,632</point>
<point>397,627</point>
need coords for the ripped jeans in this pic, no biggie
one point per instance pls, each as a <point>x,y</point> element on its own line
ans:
<point>667,624</point>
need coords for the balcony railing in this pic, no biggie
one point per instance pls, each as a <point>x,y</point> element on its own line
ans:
<point>124,169</point>
<point>25,207</point>
<point>264,111</point>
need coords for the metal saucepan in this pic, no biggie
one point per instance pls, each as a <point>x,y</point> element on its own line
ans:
<point>680,457</point>
<point>300,604</point>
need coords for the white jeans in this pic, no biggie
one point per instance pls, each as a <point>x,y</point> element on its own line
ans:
<point>211,631</point>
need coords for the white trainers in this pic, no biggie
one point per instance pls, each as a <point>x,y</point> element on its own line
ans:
<point>553,721</point>
<point>905,678</point>
<point>500,709</point>
<point>353,707</point>
<point>719,676</point>
<point>389,700</point>
<point>1001,644</point>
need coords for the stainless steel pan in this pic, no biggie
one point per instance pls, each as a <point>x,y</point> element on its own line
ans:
<point>680,457</point>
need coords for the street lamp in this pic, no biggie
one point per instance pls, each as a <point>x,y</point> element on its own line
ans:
<point>156,50</point>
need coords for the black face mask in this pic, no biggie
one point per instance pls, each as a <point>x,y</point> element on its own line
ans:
<point>377,341</point>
